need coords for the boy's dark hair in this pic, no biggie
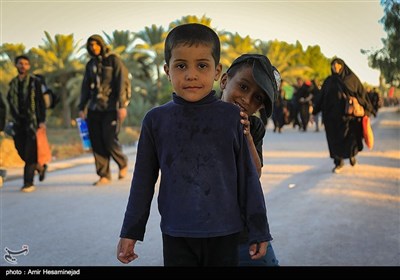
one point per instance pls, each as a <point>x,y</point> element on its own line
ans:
<point>192,34</point>
<point>21,57</point>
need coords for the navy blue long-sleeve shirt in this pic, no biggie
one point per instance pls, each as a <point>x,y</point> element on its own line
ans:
<point>209,186</point>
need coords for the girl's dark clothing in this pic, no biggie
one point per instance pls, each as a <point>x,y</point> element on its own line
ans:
<point>209,186</point>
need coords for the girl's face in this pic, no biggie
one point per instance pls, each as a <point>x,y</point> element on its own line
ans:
<point>192,71</point>
<point>242,90</point>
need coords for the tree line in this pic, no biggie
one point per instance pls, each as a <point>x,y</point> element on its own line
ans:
<point>61,59</point>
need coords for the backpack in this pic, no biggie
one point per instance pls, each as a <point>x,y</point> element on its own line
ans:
<point>127,87</point>
<point>51,99</point>
<point>3,112</point>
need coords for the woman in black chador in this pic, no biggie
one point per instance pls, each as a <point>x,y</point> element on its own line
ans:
<point>344,133</point>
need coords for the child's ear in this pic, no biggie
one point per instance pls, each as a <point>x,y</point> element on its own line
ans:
<point>218,71</point>
<point>166,70</point>
<point>223,81</point>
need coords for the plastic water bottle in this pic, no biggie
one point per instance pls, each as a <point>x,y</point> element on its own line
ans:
<point>84,134</point>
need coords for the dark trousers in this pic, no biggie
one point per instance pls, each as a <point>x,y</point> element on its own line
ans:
<point>294,113</point>
<point>212,251</point>
<point>25,143</point>
<point>103,133</point>
<point>304,115</point>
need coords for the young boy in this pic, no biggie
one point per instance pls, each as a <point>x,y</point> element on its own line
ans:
<point>252,83</point>
<point>209,187</point>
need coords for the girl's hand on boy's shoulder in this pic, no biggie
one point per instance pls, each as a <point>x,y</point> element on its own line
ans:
<point>246,123</point>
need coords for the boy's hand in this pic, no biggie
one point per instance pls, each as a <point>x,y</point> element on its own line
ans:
<point>246,123</point>
<point>258,250</point>
<point>126,250</point>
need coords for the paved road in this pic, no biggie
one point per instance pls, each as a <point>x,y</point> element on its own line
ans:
<point>317,218</point>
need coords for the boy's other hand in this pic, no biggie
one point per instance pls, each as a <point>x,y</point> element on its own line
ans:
<point>258,250</point>
<point>126,250</point>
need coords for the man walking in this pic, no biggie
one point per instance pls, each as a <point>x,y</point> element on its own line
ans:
<point>104,94</point>
<point>28,112</point>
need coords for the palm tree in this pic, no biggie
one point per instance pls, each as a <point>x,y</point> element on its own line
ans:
<point>121,42</point>
<point>8,53</point>
<point>191,19</point>
<point>285,58</point>
<point>320,65</point>
<point>59,64</point>
<point>151,52</point>
<point>234,45</point>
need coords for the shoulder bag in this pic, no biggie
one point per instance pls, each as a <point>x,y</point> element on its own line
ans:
<point>353,107</point>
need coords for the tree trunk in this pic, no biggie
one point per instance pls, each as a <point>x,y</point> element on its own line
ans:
<point>66,110</point>
<point>382,87</point>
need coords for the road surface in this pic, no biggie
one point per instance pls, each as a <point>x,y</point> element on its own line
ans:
<point>317,218</point>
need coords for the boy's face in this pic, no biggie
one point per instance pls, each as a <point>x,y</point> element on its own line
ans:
<point>242,90</point>
<point>192,71</point>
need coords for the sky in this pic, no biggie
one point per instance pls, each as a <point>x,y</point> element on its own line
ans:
<point>340,28</point>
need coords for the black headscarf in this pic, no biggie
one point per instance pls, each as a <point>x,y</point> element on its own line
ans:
<point>352,84</point>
